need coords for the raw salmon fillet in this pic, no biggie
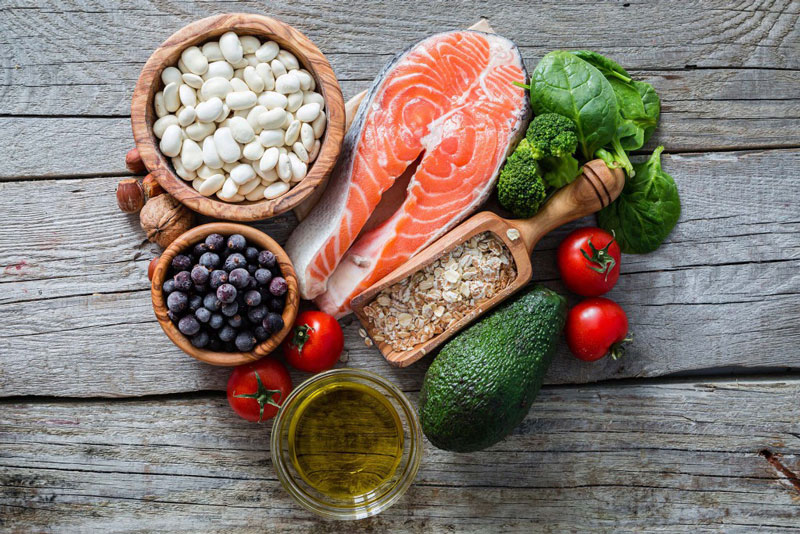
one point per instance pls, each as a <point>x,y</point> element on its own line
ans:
<point>447,105</point>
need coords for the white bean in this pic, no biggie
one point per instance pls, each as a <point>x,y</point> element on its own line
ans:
<point>304,78</point>
<point>276,189</point>
<point>229,189</point>
<point>247,187</point>
<point>212,51</point>
<point>182,66</point>
<point>227,148</point>
<point>307,136</point>
<point>187,95</point>
<point>242,113</point>
<point>184,174</point>
<point>252,60</point>
<point>314,151</point>
<point>206,172</point>
<point>311,96</point>
<point>268,177</point>
<point>269,159</point>
<point>171,99</point>
<point>211,185</point>
<point>270,138</point>
<point>197,182</point>
<point>256,194</point>
<point>272,119</point>
<point>236,198</point>
<point>295,101</point>
<point>200,130</point>
<point>313,85</point>
<point>287,83</point>
<point>216,87</point>
<point>252,117</point>
<point>161,109</point>
<point>253,150</point>
<point>231,47</point>
<point>268,51</point>
<point>227,167</point>
<point>209,110</point>
<point>192,80</point>
<point>238,83</point>
<point>299,169</point>
<point>170,144</point>
<point>278,68</point>
<point>170,75</point>
<point>224,113</point>
<point>222,69</point>
<point>284,168</point>
<point>308,112</point>
<point>292,132</point>
<point>287,121</point>
<point>242,173</point>
<point>265,72</point>
<point>241,130</point>
<point>250,43</point>
<point>253,80</point>
<point>241,99</point>
<point>194,59</point>
<point>187,116</point>
<point>271,99</point>
<point>288,59</point>
<point>210,156</point>
<point>239,65</point>
<point>301,151</point>
<point>161,124</point>
<point>319,125</point>
<point>191,155</point>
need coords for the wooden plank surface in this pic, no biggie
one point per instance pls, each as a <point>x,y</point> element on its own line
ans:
<point>663,457</point>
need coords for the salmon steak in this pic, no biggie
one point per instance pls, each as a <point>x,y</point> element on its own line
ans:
<point>437,124</point>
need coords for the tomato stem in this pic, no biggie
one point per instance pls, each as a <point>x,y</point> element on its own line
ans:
<point>262,396</point>
<point>617,350</point>
<point>604,261</point>
<point>300,336</point>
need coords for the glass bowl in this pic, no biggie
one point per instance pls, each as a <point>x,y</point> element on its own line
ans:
<point>374,501</point>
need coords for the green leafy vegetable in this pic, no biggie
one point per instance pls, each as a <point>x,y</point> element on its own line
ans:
<point>639,109</point>
<point>609,67</point>
<point>553,140</point>
<point>520,188</point>
<point>647,209</point>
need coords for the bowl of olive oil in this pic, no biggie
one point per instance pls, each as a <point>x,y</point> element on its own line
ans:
<point>346,444</point>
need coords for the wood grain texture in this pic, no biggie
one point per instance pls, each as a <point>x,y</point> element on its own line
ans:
<point>670,457</point>
<point>722,291</point>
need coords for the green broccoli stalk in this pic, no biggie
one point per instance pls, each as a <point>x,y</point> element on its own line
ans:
<point>520,188</point>
<point>553,140</point>
<point>615,156</point>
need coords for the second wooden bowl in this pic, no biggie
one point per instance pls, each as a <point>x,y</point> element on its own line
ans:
<point>258,239</point>
<point>196,33</point>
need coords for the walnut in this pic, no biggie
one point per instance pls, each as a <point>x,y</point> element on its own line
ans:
<point>163,219</point>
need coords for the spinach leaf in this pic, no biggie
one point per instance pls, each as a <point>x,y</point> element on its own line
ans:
<point>639,109</point>
<point>565,84</point>
<point>647,209</point>
<point>609,67</point>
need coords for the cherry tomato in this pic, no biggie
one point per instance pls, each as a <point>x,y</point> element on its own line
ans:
<point>256,390</point>
<point>315,342</point>
<point>588,260</point>
<point>596,327</point>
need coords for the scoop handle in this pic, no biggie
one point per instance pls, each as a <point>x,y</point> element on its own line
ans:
<point>596,187</point>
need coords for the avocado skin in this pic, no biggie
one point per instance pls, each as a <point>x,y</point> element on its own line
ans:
<point>483,382</point>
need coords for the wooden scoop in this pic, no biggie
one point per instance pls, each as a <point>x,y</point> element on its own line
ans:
<point>596,188</point>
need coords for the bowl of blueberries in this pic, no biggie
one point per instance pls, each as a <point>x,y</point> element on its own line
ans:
<point>225,293</point>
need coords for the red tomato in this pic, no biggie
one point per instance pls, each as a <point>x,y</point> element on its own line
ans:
<point>315,343</point>
<point>596,327</point>
<point>588,260</point>
<point>256,390</point>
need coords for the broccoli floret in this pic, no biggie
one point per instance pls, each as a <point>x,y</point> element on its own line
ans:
<point>553,140</point>
<point>520,188</point>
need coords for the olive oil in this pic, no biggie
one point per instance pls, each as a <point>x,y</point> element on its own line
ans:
<point>346,440</point>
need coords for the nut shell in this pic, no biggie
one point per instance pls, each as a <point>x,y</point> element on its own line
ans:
<point>133,161</point>
<point>151,186</point>
<point>130,195</point>
<point>163,219</point>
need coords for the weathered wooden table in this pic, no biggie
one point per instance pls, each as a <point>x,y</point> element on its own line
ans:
<point>105,426</point>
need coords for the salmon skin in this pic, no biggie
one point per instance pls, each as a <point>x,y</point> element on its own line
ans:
<point>446,105</point>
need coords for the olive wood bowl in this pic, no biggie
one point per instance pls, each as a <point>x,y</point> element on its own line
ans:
<point>197,33</point>
<point>258,239</point>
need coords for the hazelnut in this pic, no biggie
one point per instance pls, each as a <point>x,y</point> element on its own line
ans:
<point>151,186</point>
<point>130,195</point>
<point>151,267</point>
<point>133,161</point>
<point>163,219</point>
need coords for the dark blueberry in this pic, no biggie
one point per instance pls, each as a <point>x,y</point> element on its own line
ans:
<point>234,261</point>
<point>200,289</point>
<point>230,309</point>
<point>257,314</point>
<point>252,298</point>
<point>263,276</point>
<point>211,302</point>
<point>239,278</point>
<point>215,242</point>
<point>177,302</point>
<point>183,281</point>
<point>245,341</point>
<point>261,333</point>
<point>181,262</point>
<point>209,260</point>
<point>252,268</point>
<point>278,286</point>
<point>266,258</point>
<point>227,333</point>
<point>237,243</point>
<point>251,253</point>
<point>188,325</point>
<point>273,323</point>
<point>168,287</point>
<point>226,293</point>
<point>195,302</point>
<point>200,274</point>
<point>216,321</point>
<point>200,340</point>
<point>235,321</point>
<point>198,250</point>
<point>174,317</point>
<point>275,304</point>
<point>251,283</point>
<point>202,314</point>
<point>217,278</point>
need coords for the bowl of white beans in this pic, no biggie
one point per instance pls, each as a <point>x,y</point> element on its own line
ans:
<point>238,116</point>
